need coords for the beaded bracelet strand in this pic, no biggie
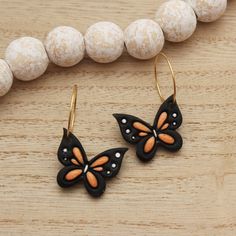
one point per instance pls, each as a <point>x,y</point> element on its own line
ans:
<point>27,58</point>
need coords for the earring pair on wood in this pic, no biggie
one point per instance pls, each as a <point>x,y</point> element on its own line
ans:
<point>146,137</point>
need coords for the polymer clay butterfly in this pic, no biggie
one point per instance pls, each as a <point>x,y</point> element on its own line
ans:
<point>148,138</point>
<point>78,169</point>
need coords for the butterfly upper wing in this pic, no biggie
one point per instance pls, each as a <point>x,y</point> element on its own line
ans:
<point>132,128</point>
<point>71,151</point>
<point>72,155</point>
<point>167,120</point>
<point>108,163</point>
<point>168,116</point>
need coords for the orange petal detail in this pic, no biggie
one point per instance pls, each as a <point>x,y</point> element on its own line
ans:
<point>92,179</point>
<point>141,127</point>
<point>142,134</point>
<point>161,119</point>
<point>75,162</point>
<point>78,155</point>
<point>73,174</point>
<point>166,138</point>
<point>98,169</point>
<point>100,161</point>
<point>165,126</point>
<point>149,144</point>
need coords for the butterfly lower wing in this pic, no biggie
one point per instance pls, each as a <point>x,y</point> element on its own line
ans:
<point>70,151</point>
<point>69,176</point>
<point>108,163</point>
<point>168,116</point>
<point>146,148</point>
<point>104,165</point>
<point>132,128</point>
<point>170,139</point>
<point>94,183</point>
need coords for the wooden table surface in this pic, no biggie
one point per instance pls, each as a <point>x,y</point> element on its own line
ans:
<point>192,192</point>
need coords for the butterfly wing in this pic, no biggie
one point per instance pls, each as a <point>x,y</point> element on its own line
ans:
<point>167,120</point>
<point>71,151</point>
<point>69,176</point>
<point>104,165</point>
<point>132,128</point>
<point>147,148</point>
<point>170,139</point>
<point>168,116</point>
<point>94,183</point>
<point>72,155</point>
<point>141,134</point>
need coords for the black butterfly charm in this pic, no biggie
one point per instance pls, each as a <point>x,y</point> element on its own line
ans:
<point>92,173</point>
<point>147,138</point>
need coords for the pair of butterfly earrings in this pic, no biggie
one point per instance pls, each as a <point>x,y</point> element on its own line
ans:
<point>147,138</point>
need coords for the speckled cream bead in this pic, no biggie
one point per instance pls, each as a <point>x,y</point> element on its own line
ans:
<point>27,58</point>
<point>144,39</point>
<point>65,46</point>
<point>6,78</point>
<point>104,42</point>
<point>208,10</point>
<point>177,19</point>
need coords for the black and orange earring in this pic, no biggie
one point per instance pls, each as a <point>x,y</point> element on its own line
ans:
<point>163,133</point>
<point>77,168</point>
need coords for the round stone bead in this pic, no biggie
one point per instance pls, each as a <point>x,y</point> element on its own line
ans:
<point>65,46</point>
<point>27,58</point>
<point>104,42</point>
<point>208,10</point>
<point>144,39</point>
<point>177,19</point>
<point>6,78</point>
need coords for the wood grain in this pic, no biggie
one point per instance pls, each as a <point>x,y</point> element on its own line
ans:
<point>192,192</point>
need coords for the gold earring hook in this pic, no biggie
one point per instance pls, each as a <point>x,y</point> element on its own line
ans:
<point>172,74</point>
<point>71,120</point>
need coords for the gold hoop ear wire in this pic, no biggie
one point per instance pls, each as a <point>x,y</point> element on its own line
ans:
<point>71,120</point>
<point>172,74</point>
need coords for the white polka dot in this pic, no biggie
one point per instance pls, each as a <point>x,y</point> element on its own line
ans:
<point>127,131</point>
<point>174,115</point>
<point>117,155</point>
<point>113,165</point>
<point>65,150</point>
<point>124,121</point>
<point>108,172</point>
<point>174,123</point>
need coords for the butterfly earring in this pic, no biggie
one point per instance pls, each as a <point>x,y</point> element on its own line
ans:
<point>77,168</point>
<point>148,138</point>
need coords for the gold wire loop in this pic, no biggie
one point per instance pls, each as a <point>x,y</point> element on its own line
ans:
<point>71,120</point>
<point>172,74</point>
